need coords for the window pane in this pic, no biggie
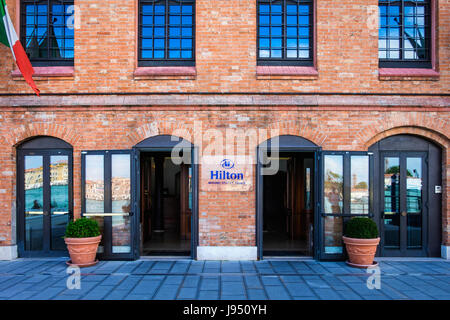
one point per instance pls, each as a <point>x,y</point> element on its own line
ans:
<point>333,184</point>
<point>36,42</point>
<point>186,54</point>
<point>359,195</point>
<point>95,191</point>
<point>121,202</point>
<point>292,53</point>
<point>48,31</point>
<point>414,202</point>
<point>34,202</point>
<point>174,54</point>
<point>309,165</point>
<point>333,235</point>
<point>411,45</point>
<point>391,202</point>
<point>94,185</point>
<point>174,32</point>
<point>287,23</point>
<point>59,200</point>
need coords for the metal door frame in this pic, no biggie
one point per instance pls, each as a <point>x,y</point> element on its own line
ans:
<point>403,251</point>
<point>260,199</point>
<point>137,195</point>
<point>20,200</point>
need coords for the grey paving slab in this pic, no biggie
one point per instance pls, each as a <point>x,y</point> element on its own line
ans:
<point>233,297</point>
<point>46,279</point>
<point>173,280</point>
<point>299,289</point>
<point>143,267</point>
<point>167,292</point>
<point>231,266</point>
<point>253,282</point>
<point>327,294</point>
<point>116,295</point>
<point>209,284</point>
<point>191,281</point>
<point>230,288</point>
<point>256,294</point>
<point>180,267</point>
<point>187,293</point>
<point>98,293</point>
<point>277,293</point>
<point>208,295</point>
<point>47,294</point>
<point>231,278</point>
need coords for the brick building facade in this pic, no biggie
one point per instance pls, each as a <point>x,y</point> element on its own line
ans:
<point>343,102</point>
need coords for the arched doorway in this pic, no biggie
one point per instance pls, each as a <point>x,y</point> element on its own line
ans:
<point>286,196</point>
<point>44,196</point>
<point>167,196</point>
<point>407,195</point>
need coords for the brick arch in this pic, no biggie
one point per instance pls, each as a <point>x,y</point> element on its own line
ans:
<point>430,134</point>
<point>440,139</point>
<point>424,124</point>
<point>157,128</point>
<point>29,131</point>
<point>295,128</point>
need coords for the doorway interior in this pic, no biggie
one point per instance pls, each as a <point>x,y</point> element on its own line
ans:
<point>288,206</point>
<point>166,205</point>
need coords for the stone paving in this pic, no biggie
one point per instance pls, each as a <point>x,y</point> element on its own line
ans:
<point>44,279</point>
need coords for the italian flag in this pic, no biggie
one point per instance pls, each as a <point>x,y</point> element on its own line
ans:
<point>9,38</point>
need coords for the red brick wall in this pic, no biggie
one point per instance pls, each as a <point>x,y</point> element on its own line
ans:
<point>347,52</point>
<point>105,60</point>
<point>227,218</point>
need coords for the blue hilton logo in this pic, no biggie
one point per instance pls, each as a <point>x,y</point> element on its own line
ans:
<point>226,175</point>
<point>227,164</point>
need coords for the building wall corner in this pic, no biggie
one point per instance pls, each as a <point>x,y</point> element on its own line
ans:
<point>8,252</point>
<point>445,252</point>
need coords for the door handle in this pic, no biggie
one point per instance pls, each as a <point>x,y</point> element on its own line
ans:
<point>404,213</point>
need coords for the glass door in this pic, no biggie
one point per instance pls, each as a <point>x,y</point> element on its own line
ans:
<point>44,201</point>
<point>404,203</point>
<point>345,191</point>
<point>107,197</point>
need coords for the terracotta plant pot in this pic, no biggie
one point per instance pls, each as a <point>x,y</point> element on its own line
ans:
<point>83,250</point>
<point>361,252</point>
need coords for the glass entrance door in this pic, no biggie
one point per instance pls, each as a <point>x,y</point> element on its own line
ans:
<point>404,203</point>
<point>107,191</point>
<point>44,201</point>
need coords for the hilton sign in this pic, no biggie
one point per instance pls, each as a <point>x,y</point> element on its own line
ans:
<point>226,173</point>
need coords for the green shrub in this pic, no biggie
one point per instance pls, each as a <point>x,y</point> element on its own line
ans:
<point>361,228</point>
<point>82,228</point>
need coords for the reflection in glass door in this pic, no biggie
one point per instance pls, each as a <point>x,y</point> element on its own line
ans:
<point>44,201</point>
<point>34,203</point>
<point>403,198</point>
<point>59,200</point>
<point>106,198</point>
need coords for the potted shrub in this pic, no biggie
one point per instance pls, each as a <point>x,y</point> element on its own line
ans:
<point>82,239</point>
<point>361,241</point>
